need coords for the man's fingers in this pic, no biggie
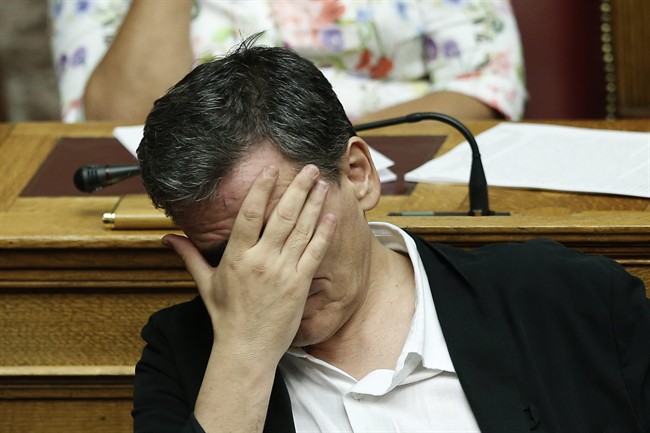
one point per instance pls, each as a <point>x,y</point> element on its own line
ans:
<point>308,219</point>
<point>317,247</point>
<point>286,213</point>
<point>250,219</point>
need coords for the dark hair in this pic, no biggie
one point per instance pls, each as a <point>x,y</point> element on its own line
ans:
<point>208,122</point>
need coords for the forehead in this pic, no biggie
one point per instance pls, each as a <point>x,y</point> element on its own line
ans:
<point>213,224</point>
<point>233,188</point>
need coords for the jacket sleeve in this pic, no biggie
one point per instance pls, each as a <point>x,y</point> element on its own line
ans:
<point>631,326</point>
<point>193,426</point>
<point>160,403</point>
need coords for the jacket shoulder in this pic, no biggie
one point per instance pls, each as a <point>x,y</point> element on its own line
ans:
<point>537,255</point>
<point>539,268</point>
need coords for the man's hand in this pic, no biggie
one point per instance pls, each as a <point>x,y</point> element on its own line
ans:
<point>257,294</point>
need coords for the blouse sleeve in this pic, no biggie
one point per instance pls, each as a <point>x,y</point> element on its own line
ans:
<point>81,33</point>
<point>474,48</point>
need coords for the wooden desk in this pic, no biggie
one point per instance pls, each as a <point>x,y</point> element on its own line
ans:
<point>74,294</point>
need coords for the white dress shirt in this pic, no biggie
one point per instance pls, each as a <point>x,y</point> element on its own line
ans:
<point>422,393</point>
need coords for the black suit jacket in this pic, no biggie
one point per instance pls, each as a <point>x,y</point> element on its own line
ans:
<point>543,338</point>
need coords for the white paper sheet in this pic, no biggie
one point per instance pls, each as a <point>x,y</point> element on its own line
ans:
<point>563,158</point>
<point>383,164</point>
<point>130,137</point>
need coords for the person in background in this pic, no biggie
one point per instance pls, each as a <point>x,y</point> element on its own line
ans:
<point>114,57</point>
<point>312,319</point>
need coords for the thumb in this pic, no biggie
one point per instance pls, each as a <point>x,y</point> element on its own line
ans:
<point>194,262</point>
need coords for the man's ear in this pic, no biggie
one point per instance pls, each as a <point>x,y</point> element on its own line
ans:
<point>362,174</point>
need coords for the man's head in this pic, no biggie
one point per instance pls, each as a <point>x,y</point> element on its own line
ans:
<point>211,136</point>
<point>212,119</point>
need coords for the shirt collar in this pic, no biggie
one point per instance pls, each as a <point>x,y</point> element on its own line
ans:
<point>425,339</point>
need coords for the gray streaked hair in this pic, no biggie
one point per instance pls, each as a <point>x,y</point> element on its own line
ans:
<point>208,122</point>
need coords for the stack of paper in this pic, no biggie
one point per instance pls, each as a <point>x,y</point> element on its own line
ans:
<point>550,157</point>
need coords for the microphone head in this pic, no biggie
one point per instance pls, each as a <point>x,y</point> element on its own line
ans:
<point>90,178</point>
<point>86,178</point>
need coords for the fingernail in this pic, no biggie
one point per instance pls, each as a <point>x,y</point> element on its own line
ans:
<point>311,170</point>
<point>321,185</point>
<point>270,171</point>
<point>166,243</point>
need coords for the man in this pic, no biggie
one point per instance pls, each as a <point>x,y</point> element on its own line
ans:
<point>311,319</point>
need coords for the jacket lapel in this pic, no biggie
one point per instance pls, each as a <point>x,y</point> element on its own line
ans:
<point>475,346</point>
<point>279,417</point>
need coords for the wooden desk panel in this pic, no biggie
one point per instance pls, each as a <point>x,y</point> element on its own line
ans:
<point>432,197</point>
<point>67,415</point>
<point>74,294</point>
<point>27,145</point>
<point>5,129</point>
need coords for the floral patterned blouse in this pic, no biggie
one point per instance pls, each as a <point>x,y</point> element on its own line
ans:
<point>376,53</point>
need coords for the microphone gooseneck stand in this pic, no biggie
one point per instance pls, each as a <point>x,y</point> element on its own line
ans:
<point>478,189</point>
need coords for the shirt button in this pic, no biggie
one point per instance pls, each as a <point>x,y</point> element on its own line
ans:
<point>357,396</point>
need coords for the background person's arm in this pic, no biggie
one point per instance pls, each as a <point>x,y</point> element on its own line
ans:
<point>150,53</point>
<point>451,103</point>
<point>475,52</point>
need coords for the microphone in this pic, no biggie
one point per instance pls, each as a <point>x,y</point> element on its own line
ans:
<point>90,178</point>
<point>478,188</point>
